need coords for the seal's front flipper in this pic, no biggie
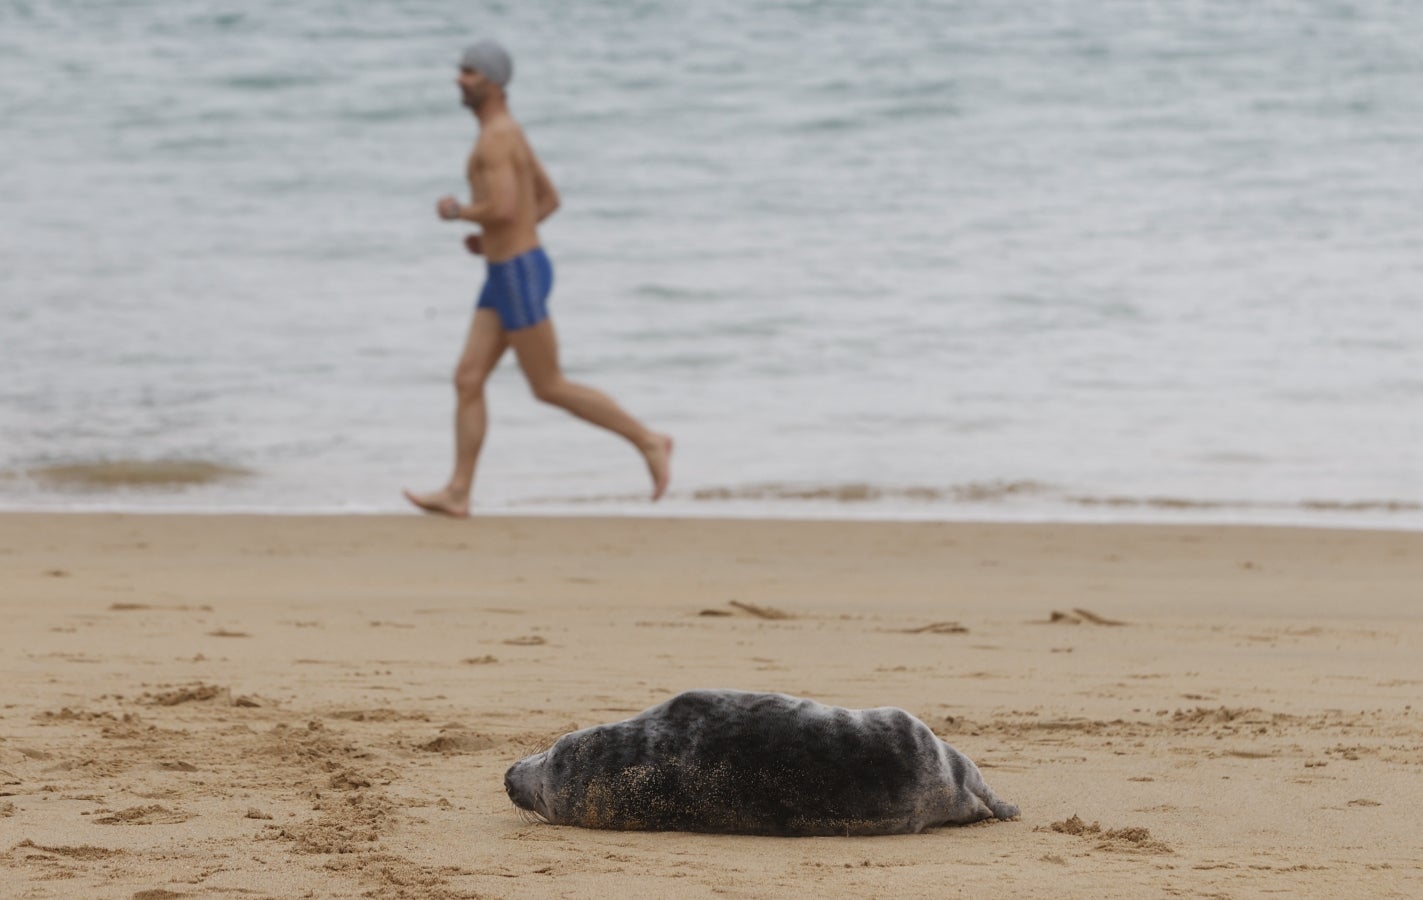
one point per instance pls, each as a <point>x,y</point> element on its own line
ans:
<point>1003,810</point>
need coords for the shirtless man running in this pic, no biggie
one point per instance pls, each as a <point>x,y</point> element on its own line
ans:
<point>511,194</point>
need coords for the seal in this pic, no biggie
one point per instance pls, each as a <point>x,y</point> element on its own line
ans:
<point>739,762</point>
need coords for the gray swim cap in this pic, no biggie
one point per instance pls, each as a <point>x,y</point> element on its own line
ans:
<point>490,60</point>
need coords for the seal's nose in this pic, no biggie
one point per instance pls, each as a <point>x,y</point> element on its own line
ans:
<point>520,798</point>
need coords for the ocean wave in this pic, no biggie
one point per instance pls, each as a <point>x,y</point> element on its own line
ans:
<point>984,493</point>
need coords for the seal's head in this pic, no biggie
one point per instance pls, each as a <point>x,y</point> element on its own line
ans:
<point>527,788</point>
<point>485,69</point>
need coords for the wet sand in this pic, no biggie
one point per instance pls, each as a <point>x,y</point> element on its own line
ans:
<point>324,706</point>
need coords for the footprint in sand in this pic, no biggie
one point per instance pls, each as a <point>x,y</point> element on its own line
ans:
<point>198,693</point>
<point>1130,839</point>
<point>937,628</point>
<point>176,765</point>
<point>85,852</point>
<point>145,815</point>
<point>455,742</point>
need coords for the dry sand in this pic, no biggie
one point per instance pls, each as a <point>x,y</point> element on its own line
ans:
<point>324,707</point>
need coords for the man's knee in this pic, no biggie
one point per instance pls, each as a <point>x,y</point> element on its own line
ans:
<point>469,383</point>
<point>549,390</point>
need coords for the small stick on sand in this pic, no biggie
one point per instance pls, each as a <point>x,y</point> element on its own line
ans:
<point>1094,618</point>
<point>761,612</point>
<point>938,628</point>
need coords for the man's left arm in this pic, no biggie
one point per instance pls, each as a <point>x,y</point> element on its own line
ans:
<point>545,194</point>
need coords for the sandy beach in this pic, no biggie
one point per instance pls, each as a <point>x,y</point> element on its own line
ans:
<point>325,706</point>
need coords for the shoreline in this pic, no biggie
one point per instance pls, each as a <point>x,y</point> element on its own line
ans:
<point>204,487</point>
<point>282,704</point>
<point>1206,516</point>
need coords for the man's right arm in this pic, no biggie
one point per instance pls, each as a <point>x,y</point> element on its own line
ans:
<point>498,203</point>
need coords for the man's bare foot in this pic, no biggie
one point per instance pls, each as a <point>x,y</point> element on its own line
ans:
<point>659,463</point>
<point>441,503</point>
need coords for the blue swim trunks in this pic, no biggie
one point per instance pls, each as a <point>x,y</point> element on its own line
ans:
<point>517,289</point>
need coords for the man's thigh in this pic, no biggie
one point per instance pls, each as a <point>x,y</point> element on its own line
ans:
<point>537,350</point>
<point>483,345</point>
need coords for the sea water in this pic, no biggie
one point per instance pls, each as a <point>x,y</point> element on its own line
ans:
<point>990,259</point>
